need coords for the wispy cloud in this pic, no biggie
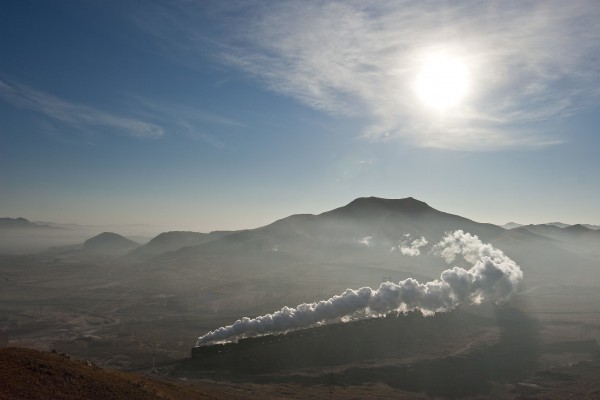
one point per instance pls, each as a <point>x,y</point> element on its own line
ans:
<point>533,64</point>
<point>190,121</point>
<point>74,115</point>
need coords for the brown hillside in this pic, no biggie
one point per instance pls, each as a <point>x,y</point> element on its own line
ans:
<point>31,374</point>
<point>27,374</point>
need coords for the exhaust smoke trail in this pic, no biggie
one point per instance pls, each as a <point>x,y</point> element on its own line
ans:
<point>492,277</point>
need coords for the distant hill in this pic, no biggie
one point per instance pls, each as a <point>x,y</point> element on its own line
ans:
<point>548,230</point>
<point>563,225</point>
<point>15,223</point>
<point>594,227</point>
<point>570,233</point>
<point>577,229</point>
<point>557,224</point>
<point>109,243</point>
<point>548,253</point>
<point>175,240</point>
<point>512,225</point>
<point>21,236</point>
<point>22,223</point>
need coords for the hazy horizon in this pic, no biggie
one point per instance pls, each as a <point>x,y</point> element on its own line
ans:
<point>145,228</point>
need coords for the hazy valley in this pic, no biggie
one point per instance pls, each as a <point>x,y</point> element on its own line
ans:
<point>118,302</point>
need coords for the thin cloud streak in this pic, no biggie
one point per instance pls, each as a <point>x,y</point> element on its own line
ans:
<point>75,115</point>
<point>530,62</point>
<point>187,120</point>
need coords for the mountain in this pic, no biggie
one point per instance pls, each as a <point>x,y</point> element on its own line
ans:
<point>22,223</point>
<point>383,221</point>
<point>175,240</point>
<point>511,225</point>
<point>393,217</point>
<point>358,235</point>
<point>354,239</point>
<point>109,243</point>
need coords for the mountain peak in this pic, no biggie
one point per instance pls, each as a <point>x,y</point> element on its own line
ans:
<point>407,205</point>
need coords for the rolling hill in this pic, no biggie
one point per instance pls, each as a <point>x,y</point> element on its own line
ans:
<point>109,243</point>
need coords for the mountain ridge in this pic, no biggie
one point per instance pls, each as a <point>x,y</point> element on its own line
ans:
<point>339,232</point>
<point>22,223</point>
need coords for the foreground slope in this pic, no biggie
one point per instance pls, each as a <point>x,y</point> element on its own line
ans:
<point>31,374</point>
<point>27,374</point>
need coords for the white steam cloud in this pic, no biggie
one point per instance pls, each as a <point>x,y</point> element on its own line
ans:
<point>366,241</point>
<point>492,277</point>
<point>410,247</point>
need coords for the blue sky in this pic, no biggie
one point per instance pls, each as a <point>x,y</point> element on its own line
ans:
<point>224,115</point>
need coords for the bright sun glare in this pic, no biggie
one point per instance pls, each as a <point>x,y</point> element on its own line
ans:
<point>443,82</point>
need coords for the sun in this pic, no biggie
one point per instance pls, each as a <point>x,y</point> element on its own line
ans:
<point>442,81</point>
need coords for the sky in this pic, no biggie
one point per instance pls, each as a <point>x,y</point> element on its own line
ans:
<point>208,115</point>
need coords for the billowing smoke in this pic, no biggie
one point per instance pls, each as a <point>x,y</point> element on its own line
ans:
<point>409,247</point>
<point>492,277</point>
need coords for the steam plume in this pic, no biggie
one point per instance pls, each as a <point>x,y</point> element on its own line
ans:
<point>410,247</point>
<point>493,277</point>
<point>366,241</point>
